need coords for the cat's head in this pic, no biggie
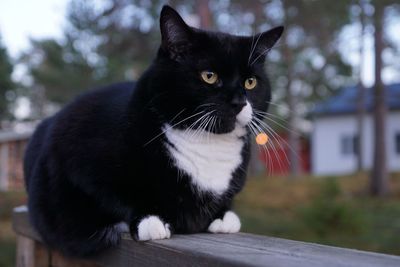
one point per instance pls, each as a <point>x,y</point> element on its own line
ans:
<point>209,80</point>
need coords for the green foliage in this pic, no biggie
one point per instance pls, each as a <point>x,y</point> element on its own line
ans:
<point>60,68</point>
<point>6,84</point>
<point>328,214</point>
<point>332,212</point>
<point>7,253</point>
<point>8,200</point>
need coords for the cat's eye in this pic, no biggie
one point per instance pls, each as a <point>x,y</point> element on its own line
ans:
<point>250,83</point>
<point>209,77</point>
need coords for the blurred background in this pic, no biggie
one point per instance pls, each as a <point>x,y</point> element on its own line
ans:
<point>330,172</point>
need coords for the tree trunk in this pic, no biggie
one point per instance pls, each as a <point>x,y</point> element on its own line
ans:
<point>361,95</point>
<point>294,139</point>
<point>204,13</point>
<point>379,177</point>
<point>293,136</point>
<point>38,103</point>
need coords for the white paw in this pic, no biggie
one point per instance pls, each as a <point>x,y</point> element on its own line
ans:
<point>151,228</point>
<point>229,224</point>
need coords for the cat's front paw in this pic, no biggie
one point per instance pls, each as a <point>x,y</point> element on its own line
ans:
<point>151,228</point>
<point>230,223</point>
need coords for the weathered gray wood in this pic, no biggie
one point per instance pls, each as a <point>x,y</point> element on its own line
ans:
<point>225,250</point>
<point>59,260</point>
<point>25,252</point>
<point>31,253</point>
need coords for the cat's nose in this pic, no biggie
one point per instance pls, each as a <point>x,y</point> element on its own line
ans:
<point>238,102</point>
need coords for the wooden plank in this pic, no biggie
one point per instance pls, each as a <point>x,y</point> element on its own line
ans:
<point>225,250</point>
<point>21,225</point>
<point>25,252</point>
<point>31,253</point>
<point>58,260</point>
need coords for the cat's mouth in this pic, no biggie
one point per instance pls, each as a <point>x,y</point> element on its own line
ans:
<point>216,121</point>
<point>227,124</point>
<point>244,117</point>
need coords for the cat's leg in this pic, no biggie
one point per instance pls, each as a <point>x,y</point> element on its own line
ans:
<point>150,227</point>
<point>229,223</point>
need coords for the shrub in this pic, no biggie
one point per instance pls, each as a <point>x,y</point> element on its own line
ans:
<point>329,214</point>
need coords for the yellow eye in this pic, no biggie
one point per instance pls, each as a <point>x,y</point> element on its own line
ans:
<point>209,77</point>
<point>250,83</point>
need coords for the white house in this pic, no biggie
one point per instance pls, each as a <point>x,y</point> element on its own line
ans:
<point>333,149</point>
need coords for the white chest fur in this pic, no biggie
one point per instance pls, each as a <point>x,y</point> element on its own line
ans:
<point>209,159</point>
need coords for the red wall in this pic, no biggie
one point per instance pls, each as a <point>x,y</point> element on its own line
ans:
<point>276,156</point>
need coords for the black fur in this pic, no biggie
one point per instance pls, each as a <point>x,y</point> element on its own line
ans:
<point>91,165</point>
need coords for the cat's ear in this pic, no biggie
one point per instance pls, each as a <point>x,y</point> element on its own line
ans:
<point>266,40</point>
<point>175,33</point>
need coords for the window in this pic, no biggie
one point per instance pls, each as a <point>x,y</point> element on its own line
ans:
<point>349,144</point>
<point>397,143</point>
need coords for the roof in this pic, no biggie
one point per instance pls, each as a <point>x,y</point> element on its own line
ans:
<point>345,102</point>
<point>7,136</point>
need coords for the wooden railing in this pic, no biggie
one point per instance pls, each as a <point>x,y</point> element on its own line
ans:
<point>197,250</point>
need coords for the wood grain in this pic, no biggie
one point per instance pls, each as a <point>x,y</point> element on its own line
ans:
<point>221,250</point>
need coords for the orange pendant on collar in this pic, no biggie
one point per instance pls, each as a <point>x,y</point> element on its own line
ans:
<point>262,138</point>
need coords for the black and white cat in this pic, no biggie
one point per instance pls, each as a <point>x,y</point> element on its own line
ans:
<point>165,155</point>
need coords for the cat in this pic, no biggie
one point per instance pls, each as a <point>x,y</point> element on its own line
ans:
<point>164,155</point>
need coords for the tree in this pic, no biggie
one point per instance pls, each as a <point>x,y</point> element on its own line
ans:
<point>59,69</point>
<point>6,83</point>
<point>294,139</point>
<point>310,64</point>
<point>379,176</point>
<point>104,42</point>
<point>204,13</point>
<point>361,90</point>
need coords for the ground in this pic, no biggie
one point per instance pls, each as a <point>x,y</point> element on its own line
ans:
<point>328,210</point>
<point>8,200</point>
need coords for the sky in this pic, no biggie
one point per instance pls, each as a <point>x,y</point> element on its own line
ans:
<point>22,19</point>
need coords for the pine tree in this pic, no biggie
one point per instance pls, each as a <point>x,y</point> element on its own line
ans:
<point>6,83</point>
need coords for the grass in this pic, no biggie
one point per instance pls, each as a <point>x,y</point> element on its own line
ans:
<point>333,211</point>
<point>8,200</point>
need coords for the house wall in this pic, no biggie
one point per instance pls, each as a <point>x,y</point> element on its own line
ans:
<point>11,164</point>
<point>326,154</point>
<point>4,181</point>
<point>393,128</point>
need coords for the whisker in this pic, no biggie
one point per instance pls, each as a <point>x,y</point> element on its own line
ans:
<point>255,45</point>
<point>205,105</point>
<point>275,151</point>
<point>266,51</point>
<point>203,122</point>
<point>251,49</point>
<point>176,124</point>
<point>205,128</point>
<point>270,114</point>
<point>194,123</point>
<point>280,106</point>
<point>274,135</point>
<point>281,125</point>
<point>260,55</point>
<point>286,143</point>
<point>199,121</point>
<point>177,115</point>
<point>211,128</point>
<point>265,151</point>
